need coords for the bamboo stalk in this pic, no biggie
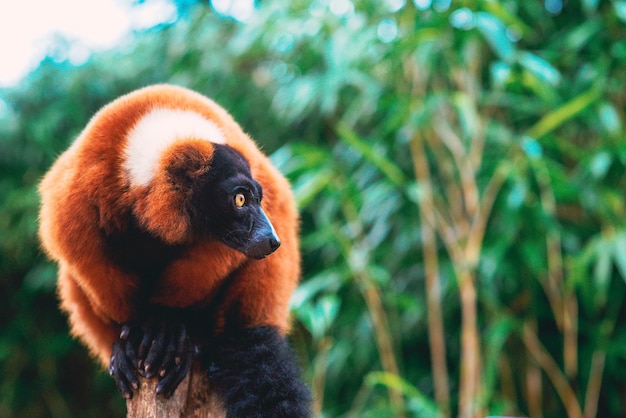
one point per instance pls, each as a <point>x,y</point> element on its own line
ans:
<point>467,172</point>
<point>594,383</point>
<point>371,295</point>
<point>479,221</point>
<point>463,246</point>
<point>452,208</point>
<point>436,331</point>
<point>555,275</point>
<point>477,145</point>
<point>506,378</point>
<point>470,347</point>
<point>564,303</point>
<point>534,390</point>
<point>475,215</point>
<point>570,334</point>
<point>320,367</point>
<point>549,366</point>
<point>461,224</point>
<point>598,359</point>
<point>534,385</point>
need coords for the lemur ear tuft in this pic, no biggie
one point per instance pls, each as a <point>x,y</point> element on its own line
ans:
<point>186,162</point>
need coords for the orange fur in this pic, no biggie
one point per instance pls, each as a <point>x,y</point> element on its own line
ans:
<point>87,197</point>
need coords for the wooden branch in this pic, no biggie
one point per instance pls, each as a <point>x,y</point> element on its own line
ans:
<point>193,398</point>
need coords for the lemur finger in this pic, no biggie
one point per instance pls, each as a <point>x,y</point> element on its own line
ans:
<point>155,351</point>
<point>131,354</point>
<point>168,384</point>
<point>168,356</point>
<point>122,370</point>
<point>176,348</point>
<point>145,344</point>
<point>181,345</point>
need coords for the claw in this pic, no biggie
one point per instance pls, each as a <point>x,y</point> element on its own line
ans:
<point>125,332</point>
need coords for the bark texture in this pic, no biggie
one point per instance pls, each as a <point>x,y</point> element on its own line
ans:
<point>193,398</point>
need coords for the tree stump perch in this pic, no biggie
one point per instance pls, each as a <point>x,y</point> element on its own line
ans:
<point>192,398</point>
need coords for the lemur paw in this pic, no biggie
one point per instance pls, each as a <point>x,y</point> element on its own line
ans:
<point>161,348</point>
<point>122,366</point>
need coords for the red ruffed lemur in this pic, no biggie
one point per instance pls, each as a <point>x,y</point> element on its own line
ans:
<point>164,218</point>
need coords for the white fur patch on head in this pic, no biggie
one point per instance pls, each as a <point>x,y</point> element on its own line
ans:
<point>156,131</point>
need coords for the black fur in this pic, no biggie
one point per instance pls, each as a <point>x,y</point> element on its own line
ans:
<point>257,375</point>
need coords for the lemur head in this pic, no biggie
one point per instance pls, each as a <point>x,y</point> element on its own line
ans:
<point>189,184</point>
<point>226,203</point>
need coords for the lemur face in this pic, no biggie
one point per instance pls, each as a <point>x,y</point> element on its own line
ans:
<point>226,204</point>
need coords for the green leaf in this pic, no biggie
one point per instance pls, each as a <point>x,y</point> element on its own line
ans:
<point>620,9</point>
<point>619,253</point>
<point>557,117</point>
<point>327,280</point>
<point>509,18</point>
<point>298,156</point>
<point>419,403</point>
<point>590,6</point>
<point>496,35</point>
<point>319,316</point>
<point>600,164</point>
<point>580,36</point>
<point>517,194</point>
<point>610,118</point>
<point>539,67</point>
<point>385,165</point>
<point>468,115</point>
<point>500,73</point>
<point>602,272</point>
<point>531,147</point>
<point>308,186</point>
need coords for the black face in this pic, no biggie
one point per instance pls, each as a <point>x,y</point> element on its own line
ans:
<point>226,204</point>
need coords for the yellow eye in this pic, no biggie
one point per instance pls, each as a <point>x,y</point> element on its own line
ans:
<point>240,200</point>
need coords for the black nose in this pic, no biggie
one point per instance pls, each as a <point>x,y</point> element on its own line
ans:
<point>274,243</point>
<point>263,247</point>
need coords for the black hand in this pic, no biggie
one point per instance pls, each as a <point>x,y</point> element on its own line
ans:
<point>122,365</point>
<point>165,349</point>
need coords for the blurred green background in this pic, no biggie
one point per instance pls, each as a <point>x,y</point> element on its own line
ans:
<point>460,171</point>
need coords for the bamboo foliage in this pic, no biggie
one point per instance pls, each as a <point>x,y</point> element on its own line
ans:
<point>458,212</point>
